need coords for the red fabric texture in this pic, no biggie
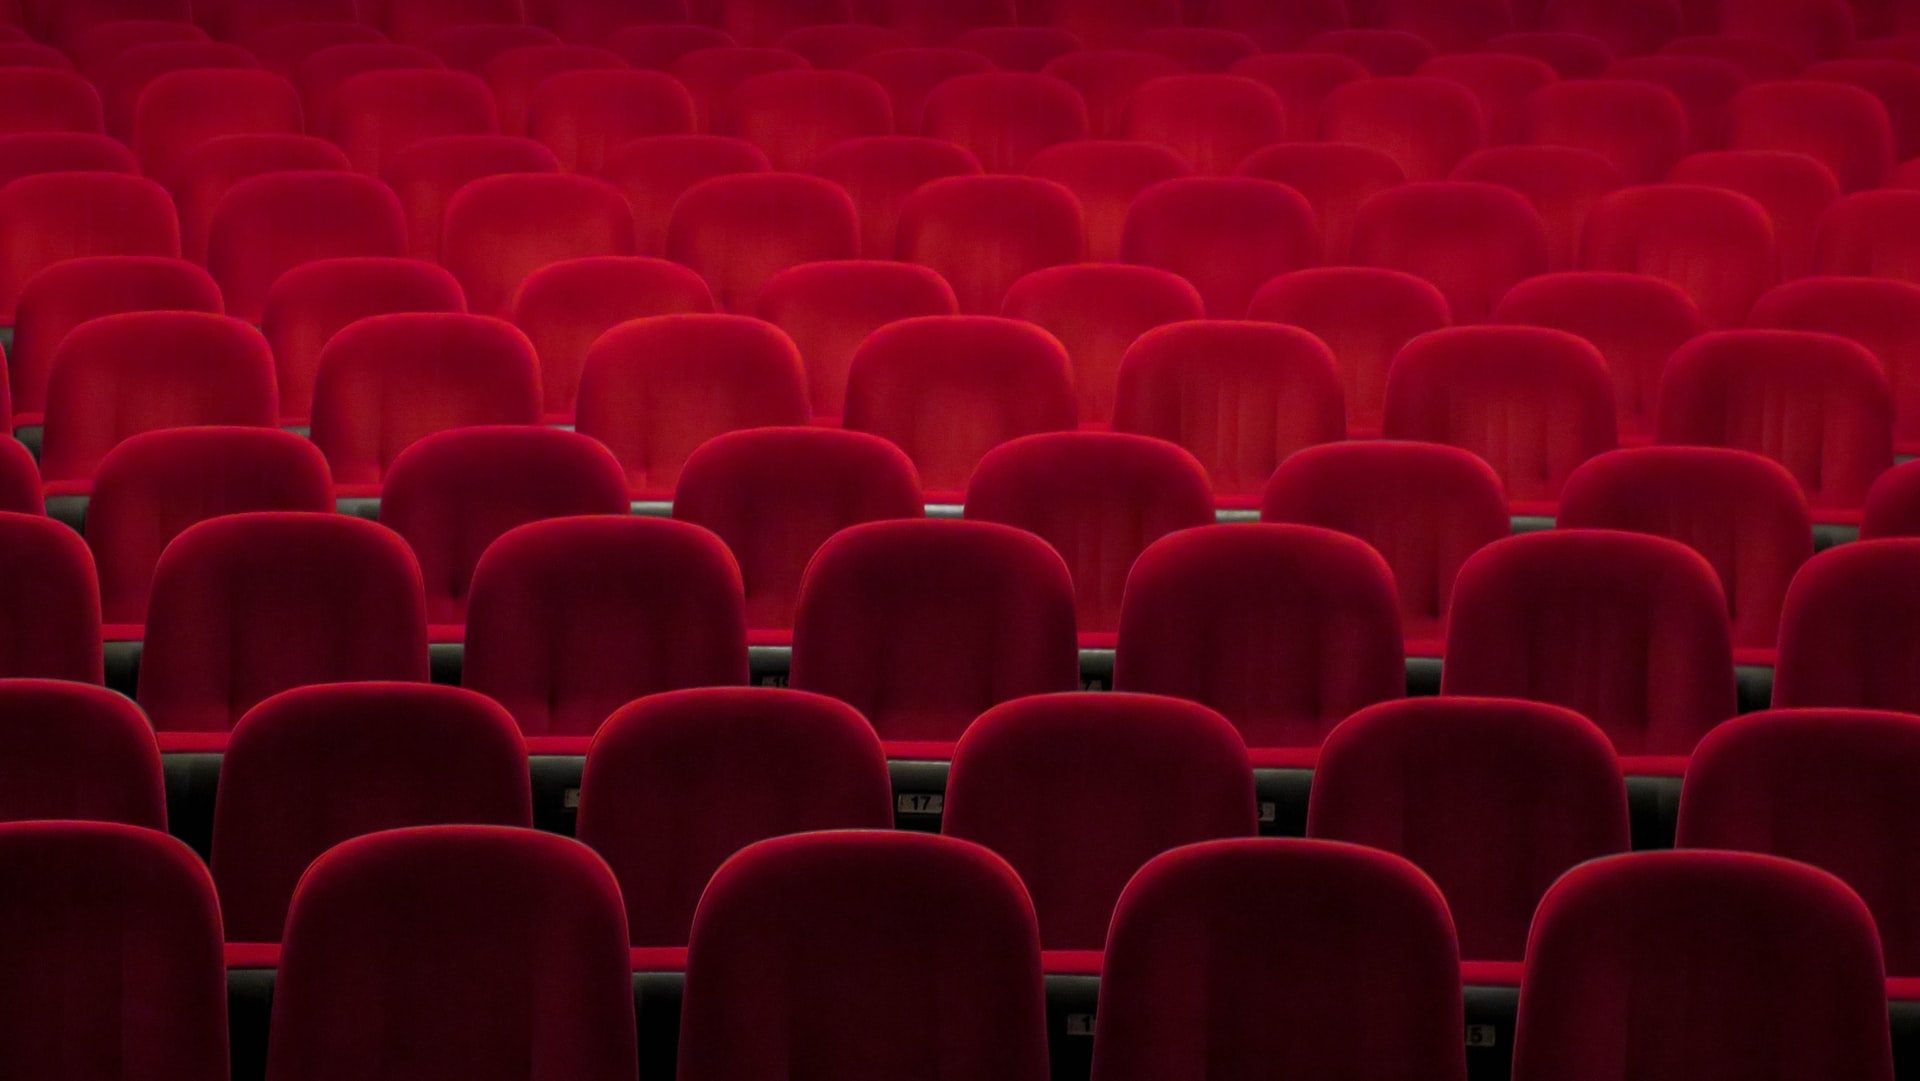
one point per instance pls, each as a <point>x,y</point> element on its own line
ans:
<point>738,231</point>
<point>1717,245</point>
<point>378,114</point>
<point>983,233</point>
<point>1795,189</point>
<point>1005,118</point>
<point>829,308</point>
<point>1213,121</point>
<point>1473,241</point>
<point>268,225</point>
<point>1335,178</point>
<point>1365,315</point>
<point>1226,235</point>
<point>1847,633</point>
<point>499,229</point>
<point>1426,124</point>
<point>653,172</point>
<point>49,580</point>
<point>1097,311</point>
<point>206,173</point>
<point>427,174</point>
<point>879,173</point>
<point>796,115</point>
<point>513,74</point>
<point>1105,176</point>
<point>54,217</point>
<point>1893,505</point>
<point>1562,183</point>
<point>583,115</point>
<point>565,306</point>
<point>1882,315</point>
<point>78,752</point>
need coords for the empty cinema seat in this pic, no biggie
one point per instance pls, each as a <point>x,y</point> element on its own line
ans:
<point>1212,121</point>
<point>711,75</point>
<point>63,296</point>
<point>571,618</point>
<point>33,152</point>
<point>183,109</point>
<point>52,217</point>
<point>1303,81</point>
<point>427,174</point>
<point>1847,630</point>
<point>775,495</point>
<point>207,172</point>
<point>1425,124</point>
<point>322,72</point>
<point>822,901</point>
<point>1384,53</point>
<point>923,625</point>
<point>1504,83</point>
<point>838,46</point>
<point>796,115</point>
<point>1815,403</point>
<point>1226,235</point>
<point>20,490</point>
<point>1549,390</point>
<point>829,308</point>
<point>1893,505</point>
<point>1562,183</point>
<point>1626,629</point>
<point>1705,86</point>
<point>306,306</point>
<point>676,783</point>
<point>1317,608</point>
<point>909,75</point>
<point>385,381</point>
<point>77,752</point>
<point>500,229</point>
<point>125,374</point>
<point>1492,798</point>
<point>1356,944</point>
<point>490,945</point>
<point>1146,774</point>
<point>115,930</point>
<point>1105,175</point>
<point>268,225</point>
<point>565,306</point>
<point>583,115</point>
<point>947,389</point>
<point>1097,311</point>
<point>452,494</point>
<point>1106,80</point>
<point>472,47</point>
<point>1844,127</point>
<point>1005,118</point>
<point>1873,234</point>
<point>1795,190</point>
<point>44,99</point>
<point>880,172</point>
<point>1640,127</point>
<point>1335,178</point>
<point>658,48</point>
<point>654,389</point>
<point>739,230</point>
<point>1717,245</point>
<point>513,74</point>
<point>983,233</point>
<point>1742,943</point>
<point>1473,241</point>
<point>49,575</point>
<point>1241,396</point>
<point>151,487</point>
<point>377,114</point>
<point>1100,499</point>
<point>1364,315</point>
<point>1424,507</point>
<point>315,766</point>
<point>123,83</point>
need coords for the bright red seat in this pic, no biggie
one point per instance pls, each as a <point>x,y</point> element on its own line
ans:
<point>78,753</point>
<point>212,169</point>
<point>46,100</point>
<point>738,231</point>
<point>564,307</point>
<point>1847,632</point>
<point>1425,124</point>
<point>1364,315</point>
<point>1106,176</point>
<point>795,116</point>
<point>1005,118</point>
<point>1097,311</point>
<point>133,70</point>
<point>711,74</point>
<point>983,233</point>
<point>1504,83</point>
<point>1108,23</point>
<point>653,173</point>
<point>1472,241</point>
<point>1226,235</point>
<point>322,72</point>
<point>1717,245</point>
<point>657,48</point>
<point>471,47</point>
<point>1882,315</point>
<point>514,75</point>
<point>839,46</point>
<point>1640,127</point>
<point>378,114</point>
<point>1106,79</point>
<point>583,115</point>
<point>182,110</point>
<point>1335,178</point>
<point>1200,49</point>
<point>1844,127</point>
<point>1811,29</point>
<point>1795,190</point>
<point>1212,121</point>
<point>1628,27</point>
<point>829,308</point>
<point>47,574</point>
<point>268,225</point>
<point>34,152</point>
<point>1303,81</point>
<point>1893,505</point>
<point>1873,234</point>
<point>500,229</point>
<point>1561,182</point>
<point>428,174</point>
<point>1705,86</point>
<point>52,217</point>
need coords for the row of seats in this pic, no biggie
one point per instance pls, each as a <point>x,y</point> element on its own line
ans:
<point>922,625</point>
<point>1494,799</point>
<point>489,945</point>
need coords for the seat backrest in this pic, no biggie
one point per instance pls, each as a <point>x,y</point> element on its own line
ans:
<point>1882,315</point>
<point>1336,179</point>
<point>1717,245</point>
<point>1226,235</point>
<point>1106,79</point>
<point>571,618</point>
<point>500,951</point>
<point>268,225</point>
<point>1627,629</point>
<point>829,308</point>
<point>207,172</point>
<point>1874,234</point>
<point>1492,798</point>
<point>1213,121</point>
<point>427,174</point>
<point>500,229</point>
<point>1562,183</point>
<point>1504,83</point>
<point>676,783</point>
<point>377,114</point>
<point>53,217</point>
<point>1810,29</point>
<point>983,233</point>
<point>1847,632</point>
<point>452,493</point>
<point>1533,402</point>
<point>1426,124</point>
<point>1005,117</point>
<point>54,629</point>
<point>1364,315</point>
<point>1638,126</point>
<point>1143,774</point>
<point>1721,950</point>
<point>711,74</point>
<point>315,766</point>
<point>824,901</point>
<point>1473,241</point>
<point>564,307</point>
<point>879,173</point>
<point>45,99</point>
<point>1893,505</point>
<point>322,72</point>
<point>923,625</point>
<point>1353,942</point>
<point>31,152</point>
<point>796,115</point>
<point>1844,127</point>
<point>1097,311</point>
<point>583,115</point>
<point>513,74</point>
<point>1106,176</point>
<point>1317,608</point>
<point>115,929</point>
<point>1303,80</point>
<point>740,230</point>
<point>183,109</point>
<point>154,485</point>
<point>911,74</point>
<point>1424,507</point>
<point>1795,190</point>
<point>74,751</point>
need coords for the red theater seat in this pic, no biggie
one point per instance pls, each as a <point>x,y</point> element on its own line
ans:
<point>1105,24</point>
<point>1241,396</point>
<point>210,170</point>
<point>1198,48</point>
<point>267,225</point>
<point>1303,81</point>
<point>1883,316</point>
<point>1145,774</point>
<point>911,74</point>
<point>1818,786</point>
<point>1843,127</point>
<point>711,75</point>
<point>49,580</point>
<point>880,172</point>
<point>1451,25</point>
<point>583,115</point>
<point>983,233</point>
<point>1100,498</point>
<point>1005,118</point>
<point>1869,235</point>
<point>1815,403</point>
<point>1705,86</point>
<point>565,307</point>
<point>323,72</point>
<point>1847,632</point>
<point>1335,178</point>
<point>378,114</point>
<point>594,20</point>
<point>183,110</point>
<point>947,389</point>
<point>1893,505</point>
<point>249,605</point>
<point>95,48</point>
<point>417,20</point>
<point>829,308</point>
<point>1628,27</point>
<point>62,297</point>
<point>122,84</point>
<point>1895,83</point>
<point>1106,79</point>
<point>1106,176</point>
<point>1425,508</point>
<point>795,116</point>
<point>1212,121</point>
<point>763,22</point>
<point>47,100</point>
<point>1364,315</point>
<point>385,381</point>
<point>738,231</point>
<point>1811,29</point>
<point>654,389</point>
<point>1635,321</point>
<point>452,494</point>
<point>1097,311</point>
<point>1280,28</point>
<point>1628,630</point>
<point>1761,61</point>
<point>150,488</point>
<point>1472,241</point>
<point>31,153</point>
<point>471,48</point>
<point>1561,182</point>
<point>515,74</point>
<point>1493,798</point>
<point>676,783</point>
<point>488,945</point>
<point>1504,82</point>
<point>125,374</point>
<point>52,217</point>
<point>1425,124</point>
<point>1316,608</point>
<point>572,618</point>
<point>1638,126</point>
<point>312,767</point>
<point>1795,190</point>
<point>1226,235</point>
<point>775,495</point>
<point>117,930</point>
<point>1717,245</point>
<point>1723,937</point>
<point>923,625</point>
<point>77,752</point>
<point>657,48</point>
<point>826,902</point>
<point>653,173</point>
<point>500,229</point>
<point>839,46</point>
<point>311,303</point>
<point>239,20</point>
<point>1745,514</point>
<point>428,174</point>
<point>1355,943</point>
<point>20,489</point>
<point>938,21</point>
